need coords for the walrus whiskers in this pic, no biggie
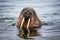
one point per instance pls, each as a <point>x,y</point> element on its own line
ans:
<point>28,27</point>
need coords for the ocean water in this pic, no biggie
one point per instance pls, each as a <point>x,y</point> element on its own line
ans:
<point>48,12</point>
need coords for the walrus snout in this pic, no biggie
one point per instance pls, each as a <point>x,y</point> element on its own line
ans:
<point>27,15</point>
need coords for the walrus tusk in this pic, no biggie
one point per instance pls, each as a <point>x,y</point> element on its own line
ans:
<point>28,23</point>
<point>22,22</point>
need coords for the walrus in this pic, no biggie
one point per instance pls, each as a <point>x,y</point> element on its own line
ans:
<point>29,18</point>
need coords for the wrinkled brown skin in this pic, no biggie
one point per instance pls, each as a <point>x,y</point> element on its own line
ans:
<point>34,23</point>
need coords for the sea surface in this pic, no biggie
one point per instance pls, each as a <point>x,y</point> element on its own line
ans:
<point>48,12</point>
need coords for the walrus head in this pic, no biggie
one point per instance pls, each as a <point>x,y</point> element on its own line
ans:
<point>29,17</point>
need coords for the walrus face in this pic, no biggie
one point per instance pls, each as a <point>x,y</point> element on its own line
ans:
<point>27,15</point>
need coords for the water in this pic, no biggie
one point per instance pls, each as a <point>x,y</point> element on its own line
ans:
<point>47,10</point>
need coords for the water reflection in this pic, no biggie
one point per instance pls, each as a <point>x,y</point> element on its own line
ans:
<point>33,33</point>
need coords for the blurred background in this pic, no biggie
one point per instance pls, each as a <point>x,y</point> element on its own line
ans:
<point>48,12</point>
